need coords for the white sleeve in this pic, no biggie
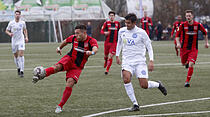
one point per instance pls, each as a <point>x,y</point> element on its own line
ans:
<point>9,27</point>
<point>148,45</point>
<point>24,25</point>
<point>119,44</point>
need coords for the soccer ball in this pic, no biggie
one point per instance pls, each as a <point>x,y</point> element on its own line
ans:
<point>39,72</point>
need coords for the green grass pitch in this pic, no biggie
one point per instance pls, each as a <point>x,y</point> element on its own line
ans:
<point>96,92</point>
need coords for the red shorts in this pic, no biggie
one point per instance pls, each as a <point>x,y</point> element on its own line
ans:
<point>72,71</point>
<point>109,48</point>
<point>188,55</point>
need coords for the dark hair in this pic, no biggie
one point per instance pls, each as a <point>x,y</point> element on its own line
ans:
<point>132,17</point>
<point>111,12</point>
<point>81,27</point>
<point>189,11</point>
<point>18,11</point>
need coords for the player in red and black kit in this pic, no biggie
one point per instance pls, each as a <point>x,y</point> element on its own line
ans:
<point>174,30</point>
<point>146,23</point>
<point>188,33</point>
<point>73,63</point>
<point>110,30</point>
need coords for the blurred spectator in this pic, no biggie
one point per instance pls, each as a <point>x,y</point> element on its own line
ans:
<point>200,34</point>
<point>146,24</point>
<point>159,31</point>
<point>169,29</point>
<point>89,33</point>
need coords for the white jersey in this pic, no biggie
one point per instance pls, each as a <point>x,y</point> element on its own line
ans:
<point>17,29</point>
<point>134,43</point>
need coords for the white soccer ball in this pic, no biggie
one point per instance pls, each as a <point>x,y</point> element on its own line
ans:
<point>39,71</point>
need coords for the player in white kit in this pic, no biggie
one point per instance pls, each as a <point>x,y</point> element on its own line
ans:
<point>134,41</point>
<point>15,30</point>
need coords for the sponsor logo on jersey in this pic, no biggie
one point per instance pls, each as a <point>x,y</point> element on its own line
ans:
<point>191,33</point>
<point>196,27</point>
<point>112,28</point>
<point>130,42</point>
<point>145,21</point>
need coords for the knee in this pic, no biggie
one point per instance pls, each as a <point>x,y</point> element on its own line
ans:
<point>57,67</point>
<point>126,80</point>
<point>70,82</point>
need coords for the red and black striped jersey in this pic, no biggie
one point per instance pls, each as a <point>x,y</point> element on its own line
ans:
<point>175,27</point>
<point>189,34</point>
<point>113,28</point>
<point>80,58</point>
<point>145,23</point>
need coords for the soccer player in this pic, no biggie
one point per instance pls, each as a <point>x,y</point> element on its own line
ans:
<point>73,63</point>
<point>15,30</point>
<point>134,42</point>
<point>174,30</point>
<point>110,30</point>
<point>146,23</point>
<point>188,33</point>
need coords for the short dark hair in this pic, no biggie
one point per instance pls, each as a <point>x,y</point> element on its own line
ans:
<point>81,27</point>
<point>189,11</point>
<point>132,17</point>
<point>111,12</point>
<point>18,11</point>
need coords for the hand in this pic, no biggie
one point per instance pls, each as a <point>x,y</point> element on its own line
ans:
<point>89,53</point>
<point>106,33</point>
<point>207,45</point>
<point>178,45</point>
<point>151,66</point>
<point>58,50</point>
<point>26,39</point>
<point>118,60</point>
<point>10,34</point>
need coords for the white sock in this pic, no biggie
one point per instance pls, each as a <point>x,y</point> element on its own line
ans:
<point>21,59</point>
<point>153,84</point>
<point>16,62</point>
<point>130,93</point>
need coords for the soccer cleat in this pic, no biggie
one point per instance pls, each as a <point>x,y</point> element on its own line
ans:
<point>106,73</point>
<point>18,70</point>
<point>35,79</point>
<point>58,109</point>
<point>187,65</point>
<point>134,108</point>
<point>162,88</point>
<point>21,74</point>
<point>187,84</point>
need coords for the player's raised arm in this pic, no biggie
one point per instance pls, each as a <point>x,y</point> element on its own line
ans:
<point>63,44</point>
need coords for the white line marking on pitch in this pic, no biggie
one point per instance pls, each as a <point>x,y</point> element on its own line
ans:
<point>150,105</point>
<point>165,64</point>
<point>167,114</point>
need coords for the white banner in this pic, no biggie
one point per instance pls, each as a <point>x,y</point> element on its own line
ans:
<point>134,6</point>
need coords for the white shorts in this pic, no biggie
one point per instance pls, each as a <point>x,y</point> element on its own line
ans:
<point>140,70</point>
<point>16,47</point>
